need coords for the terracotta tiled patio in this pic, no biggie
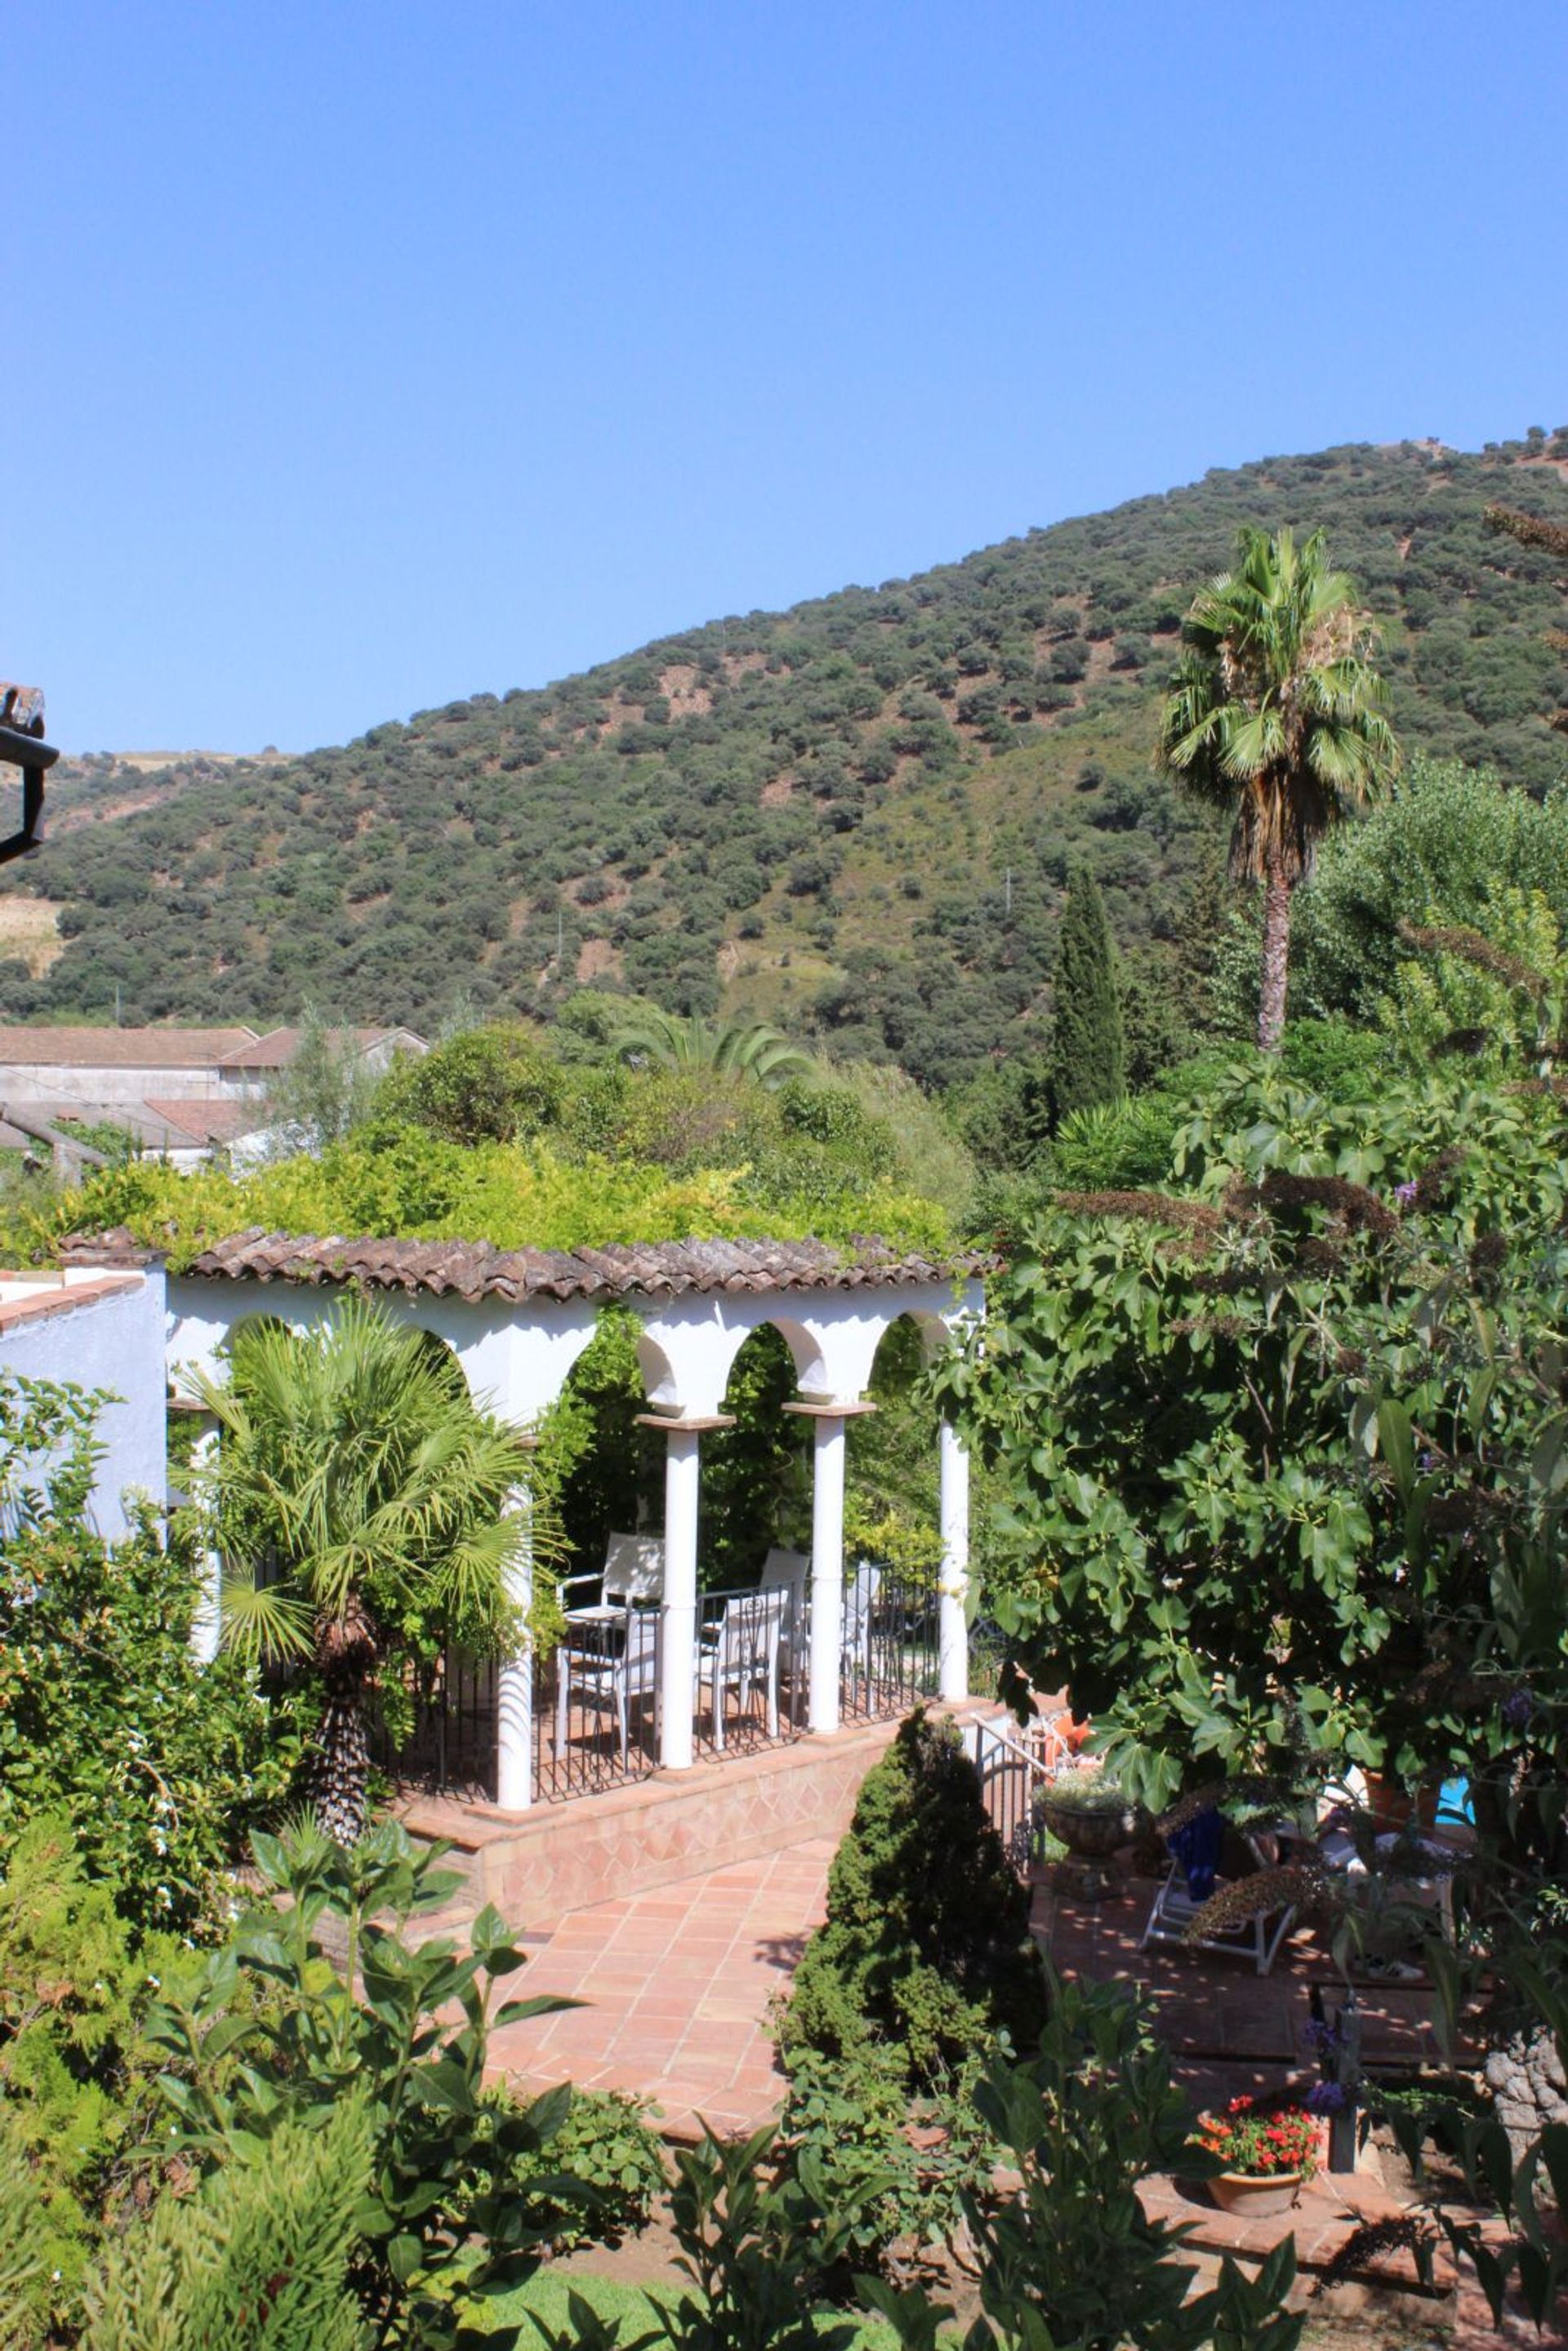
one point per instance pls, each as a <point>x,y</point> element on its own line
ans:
<point>677,1984</point>
<point>1220,2018</point>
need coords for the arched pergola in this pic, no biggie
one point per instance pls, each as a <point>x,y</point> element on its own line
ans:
<point>516,1321</point>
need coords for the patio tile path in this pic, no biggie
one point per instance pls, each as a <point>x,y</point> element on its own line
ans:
<point>676,1985</point>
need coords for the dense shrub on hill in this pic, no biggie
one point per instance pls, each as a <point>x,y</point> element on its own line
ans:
<point>975,730</point>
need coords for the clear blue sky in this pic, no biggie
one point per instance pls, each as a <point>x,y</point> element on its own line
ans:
<point>365,353</point>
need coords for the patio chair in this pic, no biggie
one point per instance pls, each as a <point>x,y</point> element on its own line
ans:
<point>633,1571</point>
<point>1191,1880</point>
<point>612,1660</point>
<point>740,1652</point>
<point>854,1645</point>
<point>788,1567</point>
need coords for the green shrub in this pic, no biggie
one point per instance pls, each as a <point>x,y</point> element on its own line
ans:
<point>158,1762</point>
<point>608,2145</point>
<point>74,2071</point>
<point>924,1949</point>
<point>278,2030</point>
<point>894,2175</point>
<point>259,2258</point>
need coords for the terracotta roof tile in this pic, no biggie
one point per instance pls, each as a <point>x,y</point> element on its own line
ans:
<point>476,1269</point>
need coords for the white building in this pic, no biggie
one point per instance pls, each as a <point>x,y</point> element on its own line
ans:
<point>517,1319</point>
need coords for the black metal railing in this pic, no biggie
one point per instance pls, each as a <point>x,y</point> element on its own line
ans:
<point>452,1746</point>
<point>753,1658</point>
<point>596,1703</point>
<point>888,1653</point>
<point>1009,1775</point>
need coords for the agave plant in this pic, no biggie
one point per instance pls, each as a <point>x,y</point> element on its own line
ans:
<point>360,1495</point>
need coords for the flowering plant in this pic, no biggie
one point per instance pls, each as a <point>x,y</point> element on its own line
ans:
<point>1260,2143</point>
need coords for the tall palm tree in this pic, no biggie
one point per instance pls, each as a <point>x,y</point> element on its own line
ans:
<point>1276,711</point>
<point>726,1048</point>
<point>361,1497</point>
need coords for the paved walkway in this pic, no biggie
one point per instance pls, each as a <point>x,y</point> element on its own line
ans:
<point>676,1984</point>
<point>1221,2019</point>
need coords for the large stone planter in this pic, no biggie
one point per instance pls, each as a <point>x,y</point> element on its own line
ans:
<point>1253,2195</point>
<point>1091,1837</point>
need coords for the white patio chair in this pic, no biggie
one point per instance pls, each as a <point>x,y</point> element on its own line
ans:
<point>633,1571</point>
<point>854,1642</point>
<point>786,1568</point>
<point>740,1653</point>
<point>612,1661</point>
<point>1257,1936</point>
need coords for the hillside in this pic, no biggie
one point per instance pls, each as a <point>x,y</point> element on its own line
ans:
<point>855,817</point>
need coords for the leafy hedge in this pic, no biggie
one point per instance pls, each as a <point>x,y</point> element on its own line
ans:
<point>423,1188</point>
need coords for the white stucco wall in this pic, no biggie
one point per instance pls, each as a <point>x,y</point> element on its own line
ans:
<point>516,1357</point>
<point>113,1343</point>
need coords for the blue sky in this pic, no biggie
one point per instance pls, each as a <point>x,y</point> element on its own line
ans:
<point>381,354</point>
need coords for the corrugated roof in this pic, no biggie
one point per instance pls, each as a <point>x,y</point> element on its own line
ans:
<point>120,1048</point>
<point>476,1269</point>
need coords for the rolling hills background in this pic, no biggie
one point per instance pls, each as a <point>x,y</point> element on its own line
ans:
<point>856,818</point>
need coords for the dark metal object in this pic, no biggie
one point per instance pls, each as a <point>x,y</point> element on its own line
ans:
<point>888,1661</point>
<point>21,745</point>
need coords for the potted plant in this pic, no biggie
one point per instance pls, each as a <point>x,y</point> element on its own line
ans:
<point>1093,1815</point>
<point>1267,2153</point>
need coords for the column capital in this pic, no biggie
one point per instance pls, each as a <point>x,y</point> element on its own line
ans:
<point>683,1424</point>
<point>835,1408</point>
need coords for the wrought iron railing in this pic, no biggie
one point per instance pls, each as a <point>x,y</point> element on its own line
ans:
<point>753,1657</point>
<point>888,1656</point>
<point>596,1703</point>
<point>452,1746</point>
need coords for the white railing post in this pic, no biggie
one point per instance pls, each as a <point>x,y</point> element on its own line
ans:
<point>514,1679</point>
<point>678,1630</point>
<point>952,1618</point>
<point>206,1624</point>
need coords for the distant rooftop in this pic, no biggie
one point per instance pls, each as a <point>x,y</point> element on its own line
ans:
<point>278,1047</point>
<point>120,1048</point>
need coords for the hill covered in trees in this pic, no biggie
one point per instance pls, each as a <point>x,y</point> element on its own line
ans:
<point>856,818</point>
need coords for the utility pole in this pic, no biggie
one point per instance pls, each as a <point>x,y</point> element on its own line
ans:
<point>1007,888</point>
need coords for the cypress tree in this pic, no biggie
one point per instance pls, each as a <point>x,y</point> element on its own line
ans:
<point>1089,1051</point>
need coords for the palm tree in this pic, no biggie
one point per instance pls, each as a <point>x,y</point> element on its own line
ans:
<point>1275,711</point>
<point>362,1499</point>
<point>726,1049</point>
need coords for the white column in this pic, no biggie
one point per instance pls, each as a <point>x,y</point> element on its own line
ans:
<point>515,1680</point>
<point>827,1569</point>
<point>206,1624</point>
<point>952,1618</point>
<point>678,1629</point>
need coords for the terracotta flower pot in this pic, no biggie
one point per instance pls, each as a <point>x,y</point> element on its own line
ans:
<point>1252,2194</point>
<point>1392,1806</point>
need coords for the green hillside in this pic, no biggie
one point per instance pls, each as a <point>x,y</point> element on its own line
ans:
<point>855,818</point>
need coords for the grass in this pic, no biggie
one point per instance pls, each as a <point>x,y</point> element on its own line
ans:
<point>635,2310</point>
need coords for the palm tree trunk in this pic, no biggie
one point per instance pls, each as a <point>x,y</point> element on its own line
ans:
<point>346,1654</point>
<point>1276,960</point>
